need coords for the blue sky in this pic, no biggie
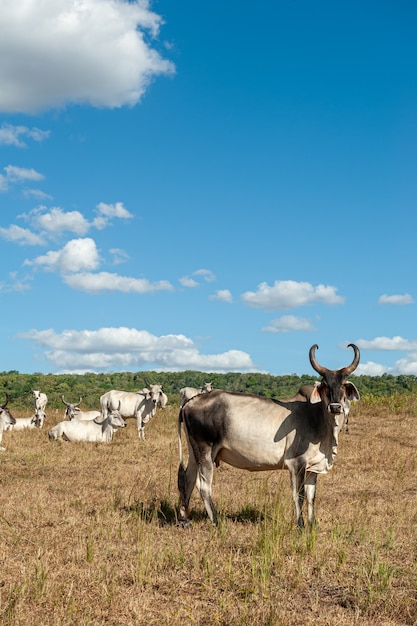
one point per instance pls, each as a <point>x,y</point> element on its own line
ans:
<point>210,186</point>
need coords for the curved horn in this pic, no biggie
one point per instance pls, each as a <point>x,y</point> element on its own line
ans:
<point>3,406</point>
<point>319,368</point>
<point>62,398</point>
<point>351,368</point>
<point>81,399</point>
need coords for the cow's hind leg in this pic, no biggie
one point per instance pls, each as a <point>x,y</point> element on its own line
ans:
<point>186,481</point>
<point>204,482</point>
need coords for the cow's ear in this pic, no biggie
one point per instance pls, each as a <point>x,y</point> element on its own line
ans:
<point>315,394</point>
<point>351,392</point>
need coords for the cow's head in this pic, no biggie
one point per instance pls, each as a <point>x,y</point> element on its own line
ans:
<point>334,388</point>
<point>5,415</point>
<point>71,409</point>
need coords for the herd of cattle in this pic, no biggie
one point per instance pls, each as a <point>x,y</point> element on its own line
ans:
<point>246,431</point>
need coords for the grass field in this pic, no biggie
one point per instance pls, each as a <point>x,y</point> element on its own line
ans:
<point>89,533</point>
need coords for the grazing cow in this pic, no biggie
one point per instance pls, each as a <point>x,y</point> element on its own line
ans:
<point>304,394</point>
<point>186,393</point>
<point>73,412</point>
<point>137,404</point>
<point>6,419</point>
<point>256,433</point>
<point>28,423</point>
<point>40,400</point>
<point>88,430</point>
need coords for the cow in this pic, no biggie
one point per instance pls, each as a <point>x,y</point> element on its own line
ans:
<point>137,404</point>
<point>257,433</point>
<point>88,430</point>
<point>186,393</point>
<point>6,419</point>
<point>28,423</point>
<point>161,399</point>
<point>40,400</point>
<point>304,394</point>
<point>73,412</point>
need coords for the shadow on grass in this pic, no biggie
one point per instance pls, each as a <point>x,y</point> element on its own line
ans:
<point>165,514</point>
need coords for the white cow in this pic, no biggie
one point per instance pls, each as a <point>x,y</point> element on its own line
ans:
<point>186,393</point>
<point>28,423</point>
<point>6,419</point>
<point>88,430</point>
<point>73,412</point>
<point>137,404</point>
<point>161,399</point>
<point>40,399</point>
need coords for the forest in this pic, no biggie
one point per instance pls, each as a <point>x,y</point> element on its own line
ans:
<point>91,386</point>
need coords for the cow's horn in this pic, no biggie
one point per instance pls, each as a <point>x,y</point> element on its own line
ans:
<point>3,406</point>
<point>62,398</point>
<point>319,368</point>
<point>351,368</point>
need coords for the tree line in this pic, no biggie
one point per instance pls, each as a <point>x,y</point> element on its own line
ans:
<point>91,386</point>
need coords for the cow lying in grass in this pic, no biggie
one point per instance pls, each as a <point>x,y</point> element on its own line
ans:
<point>91,430</point>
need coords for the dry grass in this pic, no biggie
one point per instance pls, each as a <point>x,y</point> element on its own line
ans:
<point>89,535</point>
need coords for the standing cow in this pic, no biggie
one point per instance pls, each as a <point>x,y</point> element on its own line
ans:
<point>40,400</point>
<point>138,404</point>
<point>256,433</point>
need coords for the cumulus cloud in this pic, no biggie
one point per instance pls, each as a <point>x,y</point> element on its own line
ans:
<point>76,255</point>
<point>13,135</point>
<point>21,236</point>
<point>223,295</point>
<point>106,281</point>
<point>288,323</point>
<point>122,348</point>
<point>398,299</point>
<point>86,52</point>
<point>56,221</point>
<point>371,369</point>
<point>387,343</point>
<point>289,294</point>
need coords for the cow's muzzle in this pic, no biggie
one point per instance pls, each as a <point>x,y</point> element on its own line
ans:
<point>335,408</point>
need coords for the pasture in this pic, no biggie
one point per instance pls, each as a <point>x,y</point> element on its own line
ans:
<point>89,534</point>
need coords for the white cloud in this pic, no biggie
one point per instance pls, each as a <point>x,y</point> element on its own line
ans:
<point>371,369</point>
<point>223,295</point>
<point>12,135</point>
<point>105,281</point>
<point>186,281</point>
<point>119,256</point>
<point>76,255</point>
<point>119,348</point>
<point>56,221</point>
<point>113,210</point>
<point>398,299</point>
<point>288,323</point>
<point>387,343</point>
<point>208,275</point>
<point>289,294</point>
<point>22,236</point>
<point>17,174</point>
<point>87,52</point>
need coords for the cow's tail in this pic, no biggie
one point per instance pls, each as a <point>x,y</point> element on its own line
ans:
<point>181,470</point>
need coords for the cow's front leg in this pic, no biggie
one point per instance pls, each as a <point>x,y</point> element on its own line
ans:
<point>297,477</point>
<point>310,491</point>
